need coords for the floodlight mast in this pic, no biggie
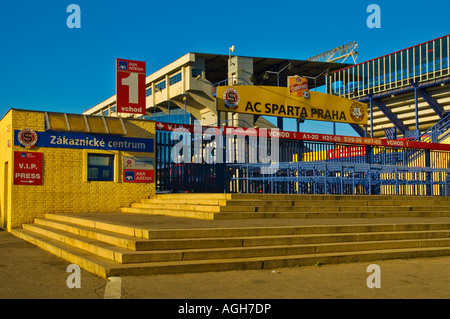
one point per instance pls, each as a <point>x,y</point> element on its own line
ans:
<point>339,53</point>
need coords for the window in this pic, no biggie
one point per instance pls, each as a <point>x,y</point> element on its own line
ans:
<point>148,92</point>
<point>161,85</point>
<point>196,72</point>
<point>100,167</point>
<point>175,79</point>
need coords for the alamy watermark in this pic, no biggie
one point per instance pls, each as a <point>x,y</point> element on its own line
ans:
<point>374,19</point>
<point>74,279</point>
<point>235,150</point>
<point>374,279</point>
<point>74,19</point>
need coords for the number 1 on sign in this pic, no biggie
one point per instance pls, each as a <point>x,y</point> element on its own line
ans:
<point>132,82</point>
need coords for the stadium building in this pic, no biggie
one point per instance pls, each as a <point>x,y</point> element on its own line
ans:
<point>59,171</point>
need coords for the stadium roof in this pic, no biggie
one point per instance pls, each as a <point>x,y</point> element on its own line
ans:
<point>216,66</point>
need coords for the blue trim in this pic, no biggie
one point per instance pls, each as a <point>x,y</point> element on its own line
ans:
<point>91,141</point>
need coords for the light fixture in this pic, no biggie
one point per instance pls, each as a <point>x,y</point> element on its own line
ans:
<point>266,73</point>
<point>231,49</point>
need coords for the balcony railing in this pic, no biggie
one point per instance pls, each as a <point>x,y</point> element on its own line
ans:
<point>420,63</point>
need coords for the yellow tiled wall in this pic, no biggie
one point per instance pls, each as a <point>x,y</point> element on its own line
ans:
<point>65,187</point>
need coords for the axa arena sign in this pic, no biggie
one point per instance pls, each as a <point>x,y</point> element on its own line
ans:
<point>280,102</point>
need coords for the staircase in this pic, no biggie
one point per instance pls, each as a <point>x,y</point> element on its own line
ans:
<point>245,206</point>
<point>120,244</point>
<point>438,132</point>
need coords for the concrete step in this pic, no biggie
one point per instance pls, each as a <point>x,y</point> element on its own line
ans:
<point>118,248</point>
<point>106,268</point>
<point>282,207</point>
<point>235,250</point>
<point>236,237</point>
<point>272,212</point>
<point>298,202</point>
<point>325,215</point>
<point>244,206</point>
<point>175,233</point>
<point>113,238</point>
<point>289,208</point>
<point>169,212</point>
<point>266,197</point>
<point>120,255</point>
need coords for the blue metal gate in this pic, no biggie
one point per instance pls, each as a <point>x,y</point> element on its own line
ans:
<point>305,167</point>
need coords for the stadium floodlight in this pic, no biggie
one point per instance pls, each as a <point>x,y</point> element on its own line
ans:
<point>339,53</point>
<point>230,49</point>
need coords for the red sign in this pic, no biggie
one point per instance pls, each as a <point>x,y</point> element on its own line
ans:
<point>138,175</point>
<point>27,168</point>
<point>130,86</point>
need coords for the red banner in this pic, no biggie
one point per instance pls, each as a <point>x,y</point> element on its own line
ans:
<point>302,136</point>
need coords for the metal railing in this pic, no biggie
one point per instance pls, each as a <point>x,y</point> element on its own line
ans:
<point>307,163</point>
<point>339,178</point>
<point>438,132</point>
<point>419,63</point>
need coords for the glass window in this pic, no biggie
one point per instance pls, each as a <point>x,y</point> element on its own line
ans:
<point>148,92</point>
<point>196,72</point>
<point>411,62</point>
<point>404,62</point>
<point>100,167</point>
<point>445,49</point>
<point>161,85</point>
<point>430,52</point>
<point>175,78</point>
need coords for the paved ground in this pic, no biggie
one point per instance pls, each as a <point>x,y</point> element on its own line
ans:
<point>27,272</point>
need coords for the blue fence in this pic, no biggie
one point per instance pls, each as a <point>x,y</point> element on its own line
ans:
<point>305,167</point>
<point>323,177</point>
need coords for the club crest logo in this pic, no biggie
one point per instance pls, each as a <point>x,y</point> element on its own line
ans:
<point>357,112</point>
<point>27,137</point>
<point>231,98</point>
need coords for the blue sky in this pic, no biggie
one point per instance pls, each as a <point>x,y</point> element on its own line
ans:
<point>47,66</point>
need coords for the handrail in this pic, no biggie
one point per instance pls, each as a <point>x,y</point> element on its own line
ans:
<point>221,83</point>
<point>434,133</point>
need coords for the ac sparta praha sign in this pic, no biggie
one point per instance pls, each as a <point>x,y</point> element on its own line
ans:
<point>278,101</point>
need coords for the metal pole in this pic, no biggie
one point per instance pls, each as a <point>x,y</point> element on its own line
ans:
<point>417,108</point>
<point>185,113</point>
<point>371,115</point>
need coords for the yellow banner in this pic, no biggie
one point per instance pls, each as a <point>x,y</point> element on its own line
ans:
<point>277,101</point>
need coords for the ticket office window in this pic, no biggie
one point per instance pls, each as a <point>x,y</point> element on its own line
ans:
<point>100,167</point>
